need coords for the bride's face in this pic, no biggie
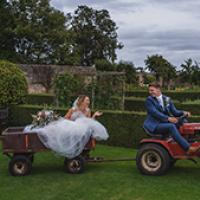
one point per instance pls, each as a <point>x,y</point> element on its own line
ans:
<point>86,102</point>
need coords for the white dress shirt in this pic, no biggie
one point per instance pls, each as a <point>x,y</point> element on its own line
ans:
<point>160,100</point>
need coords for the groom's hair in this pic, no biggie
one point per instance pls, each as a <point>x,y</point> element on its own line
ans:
<point>156,85</point>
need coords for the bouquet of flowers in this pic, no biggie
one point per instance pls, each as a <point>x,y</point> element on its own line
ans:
<point>43,118</point>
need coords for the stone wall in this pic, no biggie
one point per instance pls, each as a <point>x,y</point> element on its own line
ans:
<point>40,77</point>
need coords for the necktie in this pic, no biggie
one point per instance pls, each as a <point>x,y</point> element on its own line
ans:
<point>160,102</point>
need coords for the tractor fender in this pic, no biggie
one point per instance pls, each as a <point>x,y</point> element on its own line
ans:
<point>162,143</point>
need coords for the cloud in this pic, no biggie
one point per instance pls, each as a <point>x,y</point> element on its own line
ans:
<point>147,27</point>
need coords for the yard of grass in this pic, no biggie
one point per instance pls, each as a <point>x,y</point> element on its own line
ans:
<point>114,181</point>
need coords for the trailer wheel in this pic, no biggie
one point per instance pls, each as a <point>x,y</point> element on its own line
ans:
<point>20,165</point>
<point>153,159</point>
<point>75,165</point>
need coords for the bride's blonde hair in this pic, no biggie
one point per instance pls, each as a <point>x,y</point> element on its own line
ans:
<point>81,99</point>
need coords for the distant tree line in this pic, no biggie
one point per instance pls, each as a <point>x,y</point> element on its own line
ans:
<point>188,73</point>
<point>35,32</point>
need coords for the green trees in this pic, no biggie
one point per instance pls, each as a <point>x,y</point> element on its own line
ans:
<point>66,86</point>
<point>187,69</point>
<point>35,32</point>
<point>127,67</point>
<point>7,36</point>
<point>40,31</point>
<point>130,71</point>
<point>163,70</point>
<point>95,35</point>
<point>104,65</point>
<point>190,72</point>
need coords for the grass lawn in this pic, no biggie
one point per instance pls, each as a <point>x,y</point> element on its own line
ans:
<point>118,180</point>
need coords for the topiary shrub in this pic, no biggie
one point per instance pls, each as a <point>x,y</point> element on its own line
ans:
<point>13,84</point>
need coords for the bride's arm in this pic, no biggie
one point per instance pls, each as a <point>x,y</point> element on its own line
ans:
<point>97,114</point>
<point>69,114</point>
<point>88,114</point>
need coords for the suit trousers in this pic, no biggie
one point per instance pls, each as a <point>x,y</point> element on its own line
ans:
<point>172,130</point>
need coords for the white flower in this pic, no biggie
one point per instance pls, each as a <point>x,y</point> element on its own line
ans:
<point>167,101</point>
<point>43,118</point>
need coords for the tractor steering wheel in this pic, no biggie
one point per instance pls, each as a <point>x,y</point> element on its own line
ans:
<point>183,119</point>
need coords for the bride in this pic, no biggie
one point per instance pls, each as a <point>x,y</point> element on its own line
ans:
<point>68,136</point>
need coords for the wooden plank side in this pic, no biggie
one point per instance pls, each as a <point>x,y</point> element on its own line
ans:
<point>15,140</point>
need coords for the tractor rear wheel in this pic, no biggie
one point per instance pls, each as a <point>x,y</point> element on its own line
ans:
<point>153,159</point>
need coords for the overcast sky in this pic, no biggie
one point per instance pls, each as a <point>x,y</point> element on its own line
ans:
<point>146,27</point>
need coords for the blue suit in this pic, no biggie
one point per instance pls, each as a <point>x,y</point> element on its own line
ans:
<point>157,119</point>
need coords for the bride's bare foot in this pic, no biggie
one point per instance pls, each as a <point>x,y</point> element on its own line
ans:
<point>93,141</point>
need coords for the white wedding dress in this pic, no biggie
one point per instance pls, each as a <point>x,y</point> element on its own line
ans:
<point>69,137</point>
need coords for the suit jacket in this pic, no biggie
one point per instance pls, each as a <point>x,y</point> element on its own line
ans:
<point>156,114</point>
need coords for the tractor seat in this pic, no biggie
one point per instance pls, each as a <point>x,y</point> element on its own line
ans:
<point>156,136</point>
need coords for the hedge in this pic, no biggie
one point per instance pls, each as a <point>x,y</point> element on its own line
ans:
<point>193,108</point>
<point>137,104</point>
<point>50,100</point>
<point>40,99</point>
<point>130,104</point>
<point>137,96</point>
<point>124,128</point>
<point>180,96</point>
<point>134,104</point>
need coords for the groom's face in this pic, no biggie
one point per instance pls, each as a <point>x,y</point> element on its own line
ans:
<point>155,92</point>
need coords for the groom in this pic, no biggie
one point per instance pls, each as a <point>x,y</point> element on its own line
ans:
<point>164,118</point>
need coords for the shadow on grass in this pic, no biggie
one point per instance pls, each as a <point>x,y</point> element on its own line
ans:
<point>125,168</point>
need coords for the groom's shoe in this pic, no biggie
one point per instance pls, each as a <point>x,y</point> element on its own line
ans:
<point>193,149</point>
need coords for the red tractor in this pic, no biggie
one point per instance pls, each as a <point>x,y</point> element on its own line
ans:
<point>159,153</point>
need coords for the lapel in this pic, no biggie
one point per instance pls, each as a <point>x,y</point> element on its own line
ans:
<point>164,101</point>
<point>157,104</point>
<point>166,108</point>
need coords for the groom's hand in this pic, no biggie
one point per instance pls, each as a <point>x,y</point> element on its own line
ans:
<point>186,113</point>
<point>173,120</point>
